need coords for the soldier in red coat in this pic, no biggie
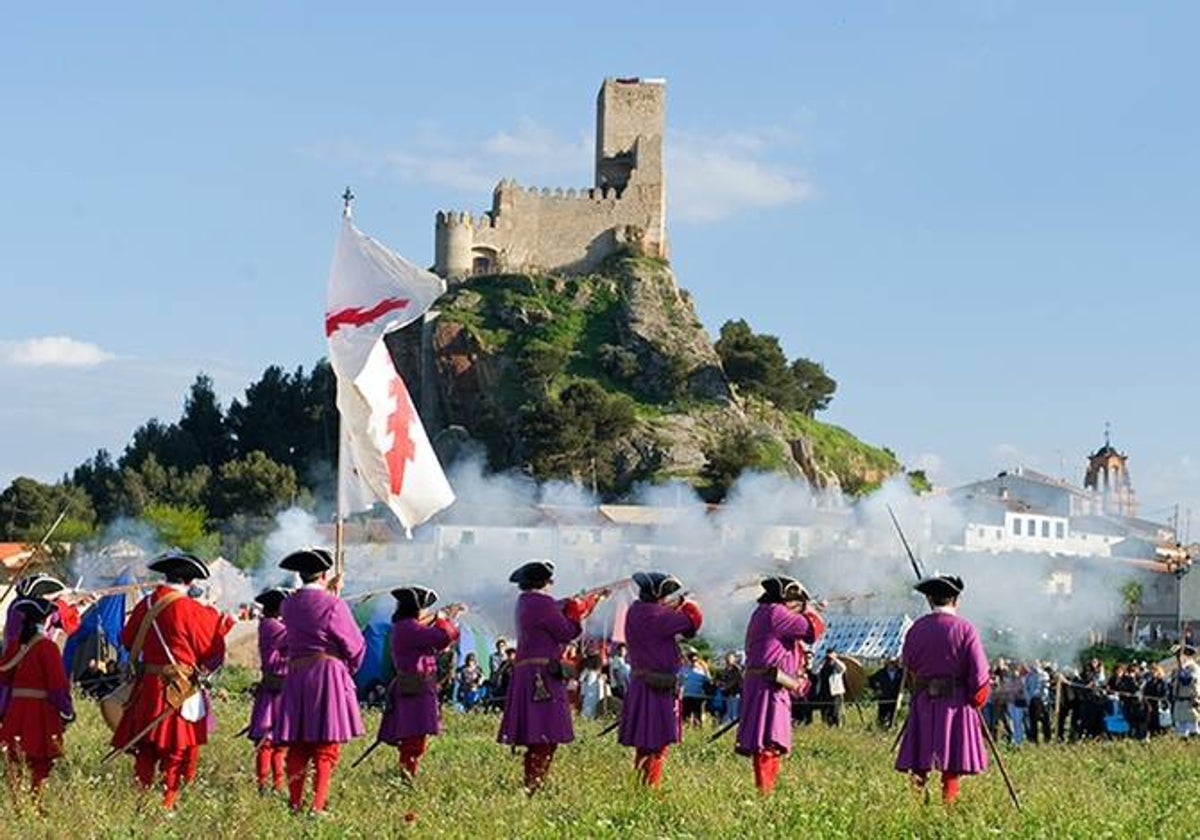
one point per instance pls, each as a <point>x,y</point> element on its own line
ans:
<point>173,639</point>
<point>35,695</point>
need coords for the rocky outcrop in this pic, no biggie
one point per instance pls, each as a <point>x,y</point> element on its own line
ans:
<point>501,343</point>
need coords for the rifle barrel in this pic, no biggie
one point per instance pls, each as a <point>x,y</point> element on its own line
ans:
<point>916,566</point>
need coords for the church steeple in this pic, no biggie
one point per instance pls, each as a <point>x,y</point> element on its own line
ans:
<point>1108,475</point>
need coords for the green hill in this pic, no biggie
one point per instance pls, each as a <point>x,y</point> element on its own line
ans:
<point>608,378</point>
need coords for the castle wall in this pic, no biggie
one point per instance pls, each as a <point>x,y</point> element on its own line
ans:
<point>573,230</point>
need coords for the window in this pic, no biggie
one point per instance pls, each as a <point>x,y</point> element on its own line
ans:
<point>466,538</point>
<point>1031,527</point>
<point>522,538</point>
<point>1060,530</point>
<point>597,537</point>
<point>1016,527</point>
<point>793,539</point>
<point>1045,528</point>
<point>999,533</point>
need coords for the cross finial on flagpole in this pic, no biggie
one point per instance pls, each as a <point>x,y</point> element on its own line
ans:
<point>347,202</point>
<point>1107,433</point>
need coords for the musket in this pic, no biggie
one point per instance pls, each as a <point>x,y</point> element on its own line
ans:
<point>609,728</point>
<point>366,596</point>
<point>108,590</point>
<point>916,566</point>
<point>604,588</point>
<point>134,740</point>
<point>368,751</point>
<point>716,735</point>
<point>33,553</point>
<point>991,742</point>
<point>245,730</point>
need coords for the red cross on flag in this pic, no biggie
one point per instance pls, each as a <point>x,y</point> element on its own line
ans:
<point>385,454</point>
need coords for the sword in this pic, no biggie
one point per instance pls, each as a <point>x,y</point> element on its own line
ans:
<point>363,757</point>
<point>245,730</point>
<point>722,730</point>
<point>131,742</point>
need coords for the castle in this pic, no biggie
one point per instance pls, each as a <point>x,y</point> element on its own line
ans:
<point>573,230</point>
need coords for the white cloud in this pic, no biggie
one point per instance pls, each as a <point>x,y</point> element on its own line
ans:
<point>713,178</point>
<point>709,177</point>
<point>52,351</point>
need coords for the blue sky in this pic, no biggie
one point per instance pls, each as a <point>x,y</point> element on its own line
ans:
<point>980,216</point>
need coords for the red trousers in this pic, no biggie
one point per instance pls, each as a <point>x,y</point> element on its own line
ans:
<point>173,764</point>
<point>324,757</point>
<point>538,758</point>
<point>411,750</point>
<point>950,786</point>
<point>650,764</point>
<point>268,765</point>
<point>766,768</point>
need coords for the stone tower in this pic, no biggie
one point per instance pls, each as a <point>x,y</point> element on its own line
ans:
<point>572,230</point>
<point>1108,475</point>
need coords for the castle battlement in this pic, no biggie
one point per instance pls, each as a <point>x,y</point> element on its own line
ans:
<point>545,228</point>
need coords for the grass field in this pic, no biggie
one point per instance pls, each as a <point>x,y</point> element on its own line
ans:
<point>837,784</point>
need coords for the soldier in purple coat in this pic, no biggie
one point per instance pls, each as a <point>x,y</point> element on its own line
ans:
<point>412,713</point>
<point>779,626</point>
<point>536,714</point>
<point>650,713</point>
<point>949,673</point>
<point>272,653</point>
<point>319,710</point>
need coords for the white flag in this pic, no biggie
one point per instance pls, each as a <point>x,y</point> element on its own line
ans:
<point>385,454</point>
<point>388,449</point>
<point>372,290</point>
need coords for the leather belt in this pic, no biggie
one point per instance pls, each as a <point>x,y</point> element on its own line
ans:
<point>537,660</point>
<point>30,694</point>
<point>303,661</point>
<point>159,670</point>
<point>936,686</point>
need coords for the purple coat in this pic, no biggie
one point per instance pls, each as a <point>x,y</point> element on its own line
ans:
<point>543,631</point>
<point>415,646</point>
<point>325,647</point>
<point>272,651</point>
<point>943,733</point>
<point>650,717</point>
<point>772,641</point>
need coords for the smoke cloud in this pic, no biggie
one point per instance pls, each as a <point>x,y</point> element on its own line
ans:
<point>843,549</point>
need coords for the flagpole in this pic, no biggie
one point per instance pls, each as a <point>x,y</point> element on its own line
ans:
<point>339,527</point>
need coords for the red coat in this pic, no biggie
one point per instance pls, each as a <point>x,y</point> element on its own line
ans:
<point>33,726</point>
<point>195,634</point>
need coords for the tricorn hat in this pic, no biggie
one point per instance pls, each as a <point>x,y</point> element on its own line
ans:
<point>1185,649</point>
<point>940,586</point>
<point>273,597</point>
<point>780,589</point>
<point>533,573</point>
<point>40,585</point>
<point>38,609</point>
<point>654,585</point>
<point>308,561</point>
<point>415,597</point>
<point>181,565</point>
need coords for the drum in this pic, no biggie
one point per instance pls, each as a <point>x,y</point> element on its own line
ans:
<point>112,705</point>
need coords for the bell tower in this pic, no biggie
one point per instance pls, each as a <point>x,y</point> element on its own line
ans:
<point>1108,475</point>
